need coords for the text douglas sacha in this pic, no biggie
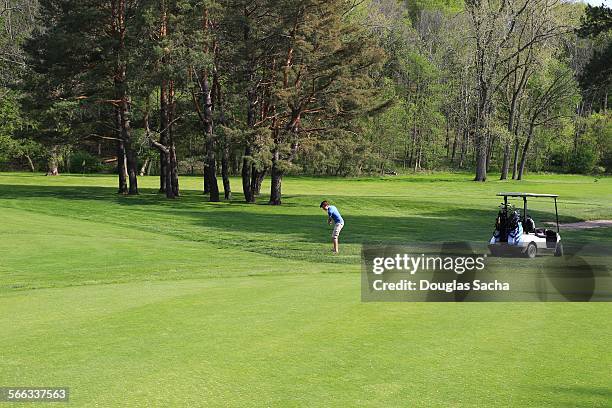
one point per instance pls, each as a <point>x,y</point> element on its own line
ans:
<point>448,287</point>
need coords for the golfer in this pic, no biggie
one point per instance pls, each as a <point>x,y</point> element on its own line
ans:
<point>333,215</point>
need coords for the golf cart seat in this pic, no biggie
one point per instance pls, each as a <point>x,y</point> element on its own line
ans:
<point>529,225</point>
<point>551,238</point>
<point>540,232</point>
<point>545,233</point>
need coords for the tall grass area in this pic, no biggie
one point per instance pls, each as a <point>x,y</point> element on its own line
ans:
<point>143,301</point>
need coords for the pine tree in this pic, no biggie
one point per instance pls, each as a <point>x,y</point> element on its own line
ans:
<point>85,54</point>
<point>319,72</point>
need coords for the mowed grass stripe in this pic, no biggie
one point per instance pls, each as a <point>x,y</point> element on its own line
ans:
<point>292,335</point>
<point>44,251</point>
<point>409,208</point>
<point>302,340</point>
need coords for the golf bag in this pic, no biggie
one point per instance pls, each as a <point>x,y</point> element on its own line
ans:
<point>508,227</point>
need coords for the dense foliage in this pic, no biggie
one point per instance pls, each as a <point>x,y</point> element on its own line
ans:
<point>274,87</point>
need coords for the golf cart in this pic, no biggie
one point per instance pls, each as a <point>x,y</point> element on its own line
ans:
<point>517,235</point>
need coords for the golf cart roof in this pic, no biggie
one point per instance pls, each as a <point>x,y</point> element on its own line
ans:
<point>527,195</point>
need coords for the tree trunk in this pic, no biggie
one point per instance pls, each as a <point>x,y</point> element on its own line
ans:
<point>211,169</point>
<point>210,179</point>
<point>247,161</point>
<point>30,163</point>
<point>249,172</point>
<point>506,162</point>
<point>162,172</point>
<point>257,180</point>
<point>515,158</point>
<point>246,174</point>
<point>481,151</point>
<point>121,156</point>
<point>464,144</point>
<point>168,175</point>
<point>148,169</point>
<point>448,143</point>
<point>518,86</point>
<point>454,151</point>
<point>227,190</point>
<point>234,162</point>
<point>163,136</point>
<point>132,163</point>
<point>481,142</point>
<point>524,153</point>
<point>53,162</point>
<point>481,160</point>
<point>145,166</point>
<point>123,110</point>
<point>277,178</point>
<point>174,171</point>
<point>122,168</point>
<point>225,142</point>
<point>132,166</point>
<point>205,177</point>
<point>490,149</point>
<point>164,114</point>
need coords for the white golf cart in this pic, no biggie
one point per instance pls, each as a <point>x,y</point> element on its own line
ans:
<point>518,235</point>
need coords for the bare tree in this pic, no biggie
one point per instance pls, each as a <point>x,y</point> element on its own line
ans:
<point>496,27</point>
<point>544,106</point>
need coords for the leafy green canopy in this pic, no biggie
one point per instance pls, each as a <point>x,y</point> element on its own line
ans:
<point>596,78</point>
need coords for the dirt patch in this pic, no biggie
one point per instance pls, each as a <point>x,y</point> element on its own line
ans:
<point>585,224</point>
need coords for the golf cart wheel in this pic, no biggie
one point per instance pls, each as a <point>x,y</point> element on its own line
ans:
<point>559,249</point>
<point>532,250</point>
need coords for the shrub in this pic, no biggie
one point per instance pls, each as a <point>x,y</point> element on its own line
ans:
<point>599,170</point>
<point>84,162</point>
<point>583,160</point>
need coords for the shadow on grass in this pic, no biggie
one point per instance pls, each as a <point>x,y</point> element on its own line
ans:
<point>192,217</point>
<point>579,396</point>
<point>602,392</point>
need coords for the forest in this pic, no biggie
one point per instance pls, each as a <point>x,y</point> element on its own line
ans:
<point>266,88</point>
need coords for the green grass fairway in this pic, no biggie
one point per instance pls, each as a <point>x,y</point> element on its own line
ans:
<point>141,301</point>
